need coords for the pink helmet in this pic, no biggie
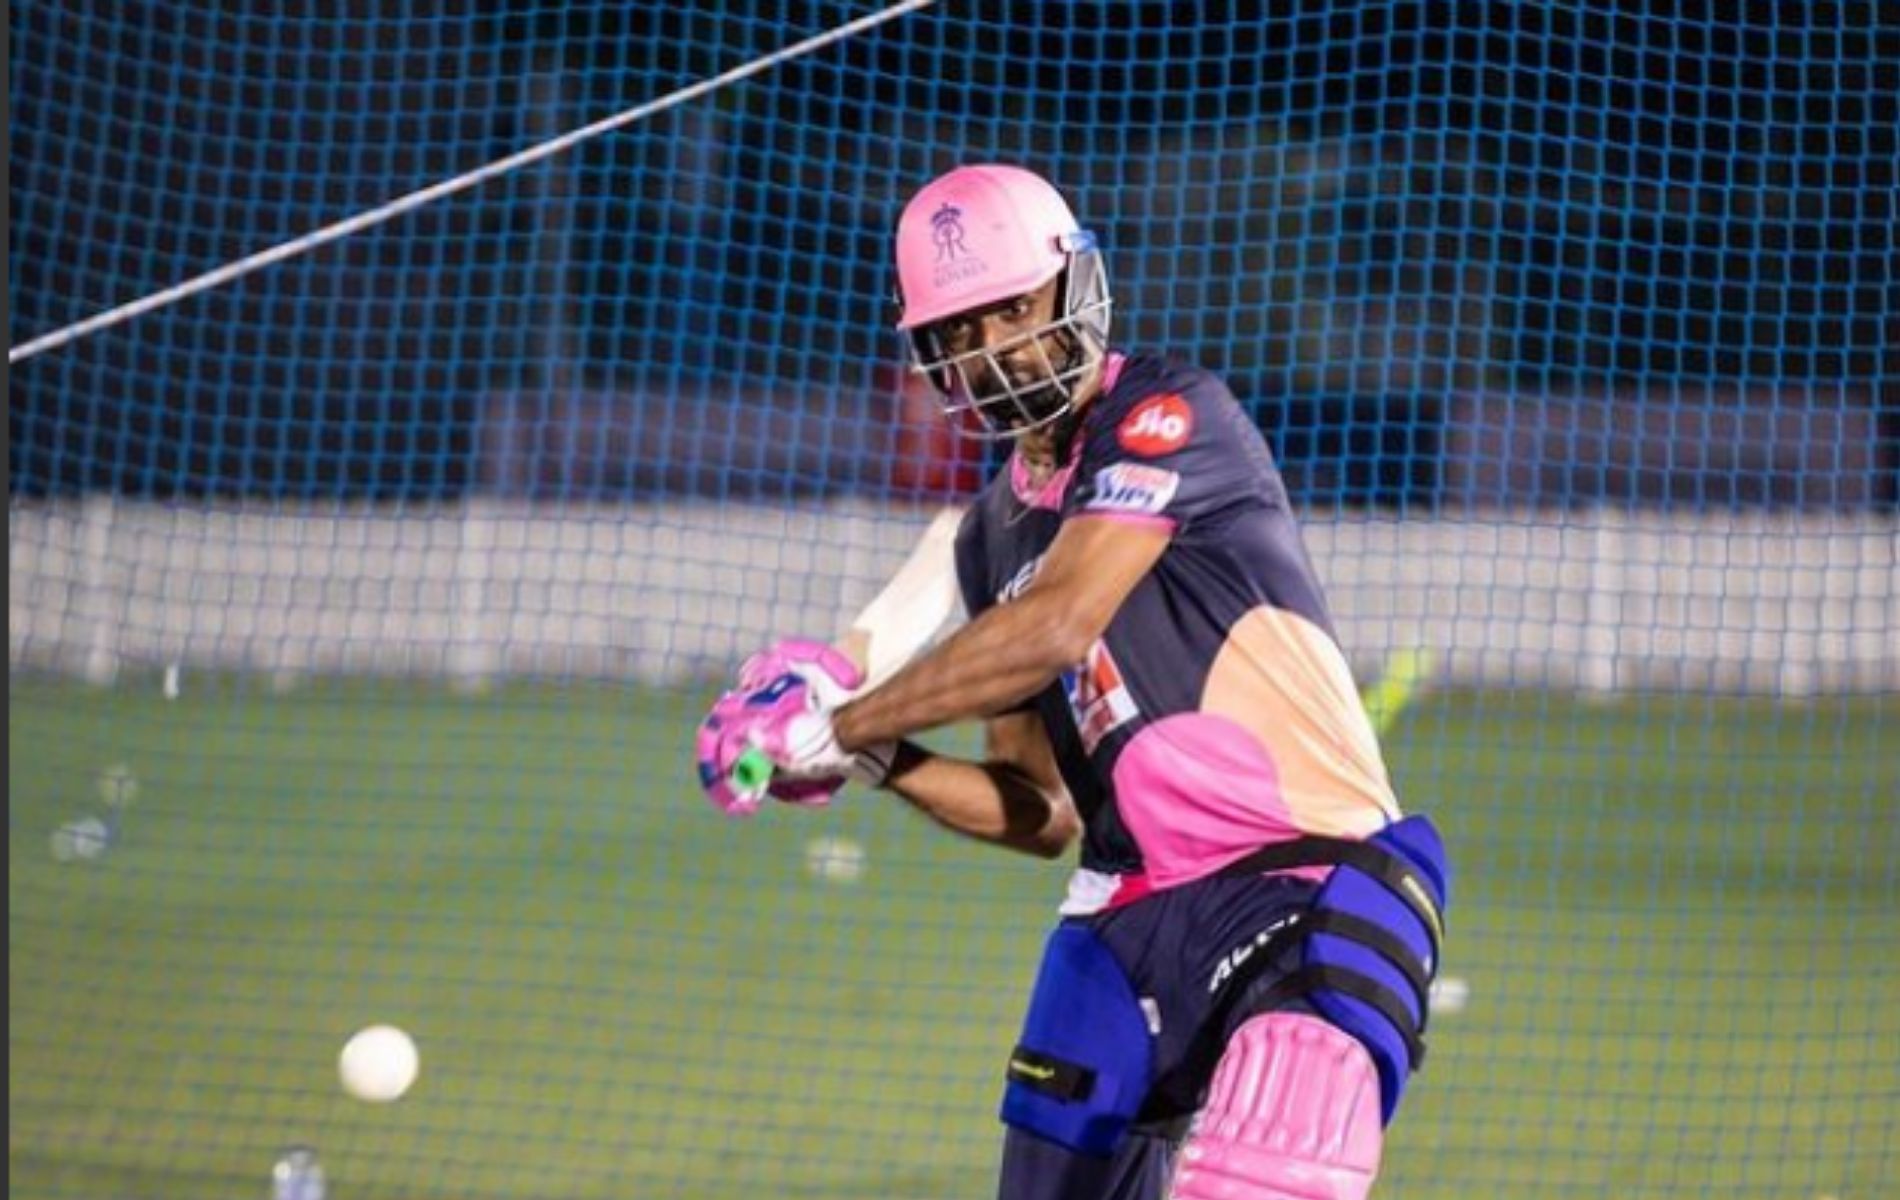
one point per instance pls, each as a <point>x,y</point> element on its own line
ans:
<point>984,234</point>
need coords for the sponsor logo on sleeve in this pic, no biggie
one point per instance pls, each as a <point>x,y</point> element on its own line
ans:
<point>1098,698</point>
<point>1131,488</point>
<point>1159,425</point>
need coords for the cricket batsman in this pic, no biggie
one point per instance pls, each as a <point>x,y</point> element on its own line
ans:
<point>1235,994</point>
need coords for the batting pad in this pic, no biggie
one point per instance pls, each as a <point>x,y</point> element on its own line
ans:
<point>1292,1114</point>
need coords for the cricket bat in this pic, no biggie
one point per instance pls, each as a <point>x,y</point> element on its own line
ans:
<point>916,607</point>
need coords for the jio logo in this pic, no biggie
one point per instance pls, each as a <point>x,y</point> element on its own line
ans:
<point>1158,426</point>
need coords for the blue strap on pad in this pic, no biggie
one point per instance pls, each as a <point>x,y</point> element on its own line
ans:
<point>1352,899</point>
<point>1084,1063</point>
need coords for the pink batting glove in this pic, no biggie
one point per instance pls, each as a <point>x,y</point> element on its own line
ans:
<point>833,676</point>
<point>803,745</point>
<point>717,746</point>
<point>785,721</point>
<point>812,793</point>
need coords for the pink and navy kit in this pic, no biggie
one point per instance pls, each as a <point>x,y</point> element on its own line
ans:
<point>1217,714</point>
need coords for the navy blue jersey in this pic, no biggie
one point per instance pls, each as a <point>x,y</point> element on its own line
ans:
<point>1216,714</point>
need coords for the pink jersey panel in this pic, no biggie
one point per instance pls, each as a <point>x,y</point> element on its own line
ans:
<point>1198,792</point>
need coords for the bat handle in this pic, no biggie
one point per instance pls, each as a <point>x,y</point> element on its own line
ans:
<point>752,772</point>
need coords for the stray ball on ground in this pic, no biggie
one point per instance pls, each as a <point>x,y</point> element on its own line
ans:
<point>77,841</point>
<point>118,787</point>
<point>835,859</point>
<point>378,1064</point>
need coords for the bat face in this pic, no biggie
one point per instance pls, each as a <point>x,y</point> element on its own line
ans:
<point>914,608</point>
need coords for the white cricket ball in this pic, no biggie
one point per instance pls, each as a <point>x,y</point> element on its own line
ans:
<point>378,1063</point>
<point>835,859</point>
<point>80,840</point>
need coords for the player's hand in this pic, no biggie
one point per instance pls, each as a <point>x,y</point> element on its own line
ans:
<point>788,721</point>
<point>804,749</point>
<point>717,746</point>
<point>833,678</point>
<point>725,734</point>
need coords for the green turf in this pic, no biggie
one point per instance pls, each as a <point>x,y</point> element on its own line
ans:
<point>1678,920</point>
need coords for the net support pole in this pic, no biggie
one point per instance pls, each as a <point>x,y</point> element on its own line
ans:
<point>232,271</point>
<point>99,598</point>
<point>474,652</point>
<point>1604,612</point>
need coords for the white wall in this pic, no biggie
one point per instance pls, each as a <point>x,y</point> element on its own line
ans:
<point>1735,602</point>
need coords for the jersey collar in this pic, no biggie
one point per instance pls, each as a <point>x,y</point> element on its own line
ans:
<point>1049,495</point>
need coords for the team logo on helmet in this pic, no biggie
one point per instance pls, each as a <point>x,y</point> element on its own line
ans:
<point>956,262</point>
<point>946,230</point>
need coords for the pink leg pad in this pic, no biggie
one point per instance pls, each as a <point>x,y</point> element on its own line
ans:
<point>1292,1114</point>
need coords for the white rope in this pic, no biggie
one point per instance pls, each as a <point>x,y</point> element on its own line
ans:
<point>402,204</point>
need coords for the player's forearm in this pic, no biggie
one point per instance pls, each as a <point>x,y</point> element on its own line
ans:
<point>993,802</point>
<point>995,662</point>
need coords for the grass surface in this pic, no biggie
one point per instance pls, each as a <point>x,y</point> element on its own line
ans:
<point>1679,919</point>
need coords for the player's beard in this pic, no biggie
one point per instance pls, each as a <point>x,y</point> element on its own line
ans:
<point>1036,399</point>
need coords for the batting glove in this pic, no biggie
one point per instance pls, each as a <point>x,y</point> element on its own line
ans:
<point>833,679</point>
<point>719,743</point>
<point>788,722</point>
<point>803,746</point>
<point>825,669</point>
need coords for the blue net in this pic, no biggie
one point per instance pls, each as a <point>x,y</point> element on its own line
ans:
<point>361,610</point>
